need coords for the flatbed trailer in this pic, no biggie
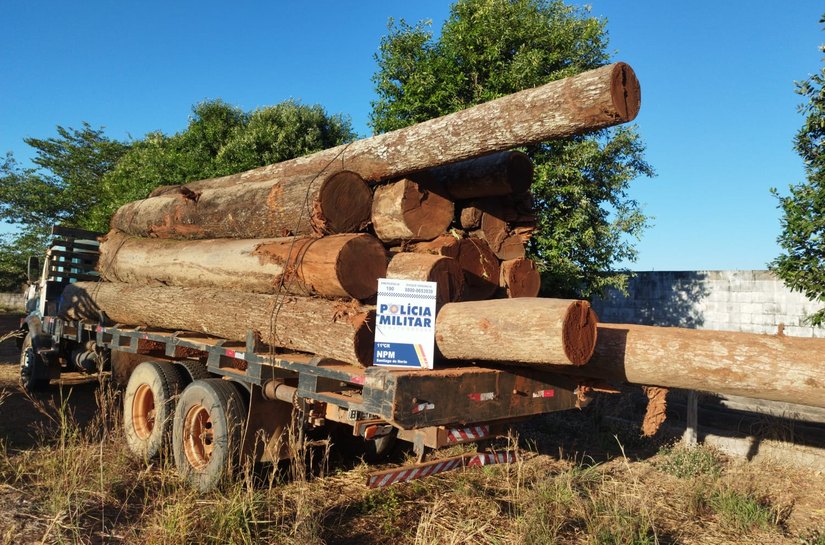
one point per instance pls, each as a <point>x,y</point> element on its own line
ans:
<point>276,391</point>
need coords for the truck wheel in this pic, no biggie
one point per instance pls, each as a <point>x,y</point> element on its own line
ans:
<point>192,370</point>
<point>31,367</point>
<point>207,434</point>
<point>148,407</point>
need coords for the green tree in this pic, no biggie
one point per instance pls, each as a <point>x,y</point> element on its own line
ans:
<point>80,177</point>
<point>220,139</point>
<point>801,265</point>
<point>490,48</point>
<point>61,187</point>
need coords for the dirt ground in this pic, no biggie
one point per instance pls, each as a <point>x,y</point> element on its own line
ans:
<point>552,441</point>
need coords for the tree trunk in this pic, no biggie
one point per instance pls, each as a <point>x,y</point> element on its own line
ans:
<point>336,266</point>
<point>331,329</point>
<point>520,278</point>
<point>776,368</point>
<point>524,331</point>
<point>445,271</point>
<point>479,263</point>
<point>408,210</point>
<point>278,207</point>
<point>589,101</point>
<point>493,175</point>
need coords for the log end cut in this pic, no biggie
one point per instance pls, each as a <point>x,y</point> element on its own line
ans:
<point>520,278</point>
<point>364,338</point>
<point>344,204</point>
<point>579,332</point>
<point>360,263</point>
<point>626,92</point>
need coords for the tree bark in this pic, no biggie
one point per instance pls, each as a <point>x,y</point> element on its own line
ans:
<point>278,207</point>
<point>593,100</point>
<point>520,278</point>
<point>346,265</point>
<point>525,331</point>
<point>408,210</point>
<point>493,175</point>
<point>445,271</point>
<point>331,329</point>
<point>776,368</point>
<point>479,263</point>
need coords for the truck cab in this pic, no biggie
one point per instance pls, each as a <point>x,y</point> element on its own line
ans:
<point>71,257</point>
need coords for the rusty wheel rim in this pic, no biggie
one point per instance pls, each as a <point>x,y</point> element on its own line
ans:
<point>198,436</point>
<point>143,412</point>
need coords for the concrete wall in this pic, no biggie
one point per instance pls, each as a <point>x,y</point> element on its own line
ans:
<point>751,301</point>
<point>12,301</point>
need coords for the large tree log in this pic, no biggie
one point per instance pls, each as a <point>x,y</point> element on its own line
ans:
<point>336,203</point>
<point>480,265</point>
<point>492,175</point>
<point>520,278</point>
<point>524,331</point>
<point>332,329</point>
<point>589,101</point>
<point>777,368</point>
<point>346,265</point>
<point>444,271</point>
<point>408,210</point>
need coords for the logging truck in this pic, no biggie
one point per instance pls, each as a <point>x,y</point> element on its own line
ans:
<point>211,400</point>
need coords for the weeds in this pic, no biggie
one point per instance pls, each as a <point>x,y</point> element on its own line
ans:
<point>690,462</point>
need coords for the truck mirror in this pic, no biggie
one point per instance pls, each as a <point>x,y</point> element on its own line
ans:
<point>33,271</point>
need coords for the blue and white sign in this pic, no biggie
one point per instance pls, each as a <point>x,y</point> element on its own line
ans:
<point>405,323</point>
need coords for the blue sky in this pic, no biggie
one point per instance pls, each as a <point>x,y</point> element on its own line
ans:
<point>718,109</point>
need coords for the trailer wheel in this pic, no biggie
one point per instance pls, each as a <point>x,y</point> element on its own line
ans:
<point>207,432</point>
<point>31,367</point>
<point>192,370</point>
<point>149,406</point>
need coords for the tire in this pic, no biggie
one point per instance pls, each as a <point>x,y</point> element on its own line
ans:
<point>207,433</point>
<point>192,370</point>
<point>149,407</point>
<point>31,367</point>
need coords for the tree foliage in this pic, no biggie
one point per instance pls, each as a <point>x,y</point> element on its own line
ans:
<point>61,188</point>
<point>80,177</point>
<point>802,264</point>
<point>491,48</point>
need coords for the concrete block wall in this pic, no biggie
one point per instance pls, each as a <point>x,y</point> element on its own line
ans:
<point>12,301</point>
<point>750,301</point>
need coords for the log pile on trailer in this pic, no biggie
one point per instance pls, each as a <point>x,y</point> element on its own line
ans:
<point>293,251</point>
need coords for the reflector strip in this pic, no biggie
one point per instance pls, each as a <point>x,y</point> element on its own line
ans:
<point>474,433</point>
<point>410,473</point>
<point>544,393</point>
<point>482,396</point>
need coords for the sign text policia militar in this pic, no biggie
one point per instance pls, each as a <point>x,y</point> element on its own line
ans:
<point>405,318</point>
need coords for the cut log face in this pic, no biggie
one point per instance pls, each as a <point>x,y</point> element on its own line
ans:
<point>492,175</point>
<point>470,218</point>
<point>589,101</point>
<point>336,266</point>
<point>520,278</point>
<point>331,329</point>
<point>408,210</point>
<point>339,202</point>
<point>480,265</point>
<point>444,271</point>
<point>776,368</point>
<point>525,331</point>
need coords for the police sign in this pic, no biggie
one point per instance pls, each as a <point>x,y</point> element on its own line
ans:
<point>405,323</point>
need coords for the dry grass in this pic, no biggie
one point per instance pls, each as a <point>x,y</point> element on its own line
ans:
<point>78,485</point>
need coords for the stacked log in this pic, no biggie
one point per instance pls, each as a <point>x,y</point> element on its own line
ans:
<point>293,251</point>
